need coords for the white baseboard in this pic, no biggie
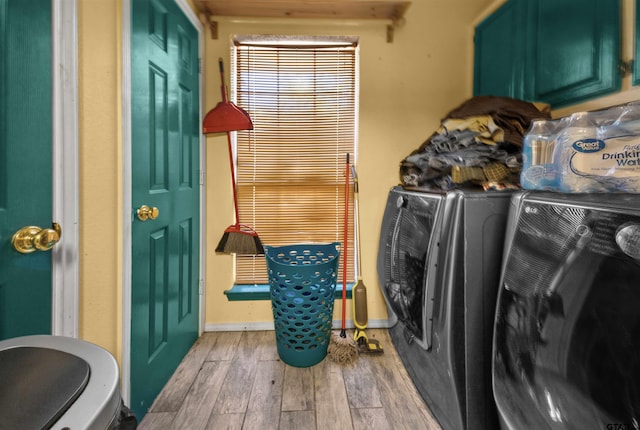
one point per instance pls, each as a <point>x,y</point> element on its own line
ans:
<point>268,325</point>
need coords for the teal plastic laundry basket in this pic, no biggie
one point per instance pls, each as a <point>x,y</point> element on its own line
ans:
<point>302,284</point>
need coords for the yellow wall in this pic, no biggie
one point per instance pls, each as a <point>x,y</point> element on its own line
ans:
<point>406,87</point>
<point>99,73</point>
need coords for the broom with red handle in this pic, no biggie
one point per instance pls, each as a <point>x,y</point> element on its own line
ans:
<point>237,238</point>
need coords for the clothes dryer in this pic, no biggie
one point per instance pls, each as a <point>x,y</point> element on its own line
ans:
<point>438,264</point>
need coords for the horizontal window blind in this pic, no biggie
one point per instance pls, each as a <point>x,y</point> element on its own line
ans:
<point>302,98</point>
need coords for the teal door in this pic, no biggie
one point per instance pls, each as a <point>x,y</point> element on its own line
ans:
<point>25,163</point>
<point>165,195</point>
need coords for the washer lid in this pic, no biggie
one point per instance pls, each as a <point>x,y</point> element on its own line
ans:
<point>38,386</point>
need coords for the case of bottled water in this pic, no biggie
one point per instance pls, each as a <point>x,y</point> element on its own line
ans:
<point>586,152</point>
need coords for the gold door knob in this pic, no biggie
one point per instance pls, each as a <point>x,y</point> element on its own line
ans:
<point>32,238</point>
<point>145,212</point>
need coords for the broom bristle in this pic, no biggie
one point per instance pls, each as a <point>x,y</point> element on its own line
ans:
<point>342,349</point>
<point>237,240</point>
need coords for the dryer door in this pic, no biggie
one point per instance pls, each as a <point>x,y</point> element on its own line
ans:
<point>567,334</point>
<point>407,230</point>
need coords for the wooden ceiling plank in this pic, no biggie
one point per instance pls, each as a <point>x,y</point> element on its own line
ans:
<point>320,9</point>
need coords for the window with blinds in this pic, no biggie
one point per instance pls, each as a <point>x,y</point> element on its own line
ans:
<point>302,96</point>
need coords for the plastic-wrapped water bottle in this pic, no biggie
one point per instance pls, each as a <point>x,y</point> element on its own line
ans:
<point>538,170</point>
<point>580,130</point>
<point>629,119</point>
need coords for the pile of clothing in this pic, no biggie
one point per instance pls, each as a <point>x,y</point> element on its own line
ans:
<point>479,143</point>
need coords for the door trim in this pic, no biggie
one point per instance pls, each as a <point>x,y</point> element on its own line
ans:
<point>127,183</point>
<point>65,266</point>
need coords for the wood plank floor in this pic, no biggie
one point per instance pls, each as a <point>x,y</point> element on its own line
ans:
<point>235,380</point>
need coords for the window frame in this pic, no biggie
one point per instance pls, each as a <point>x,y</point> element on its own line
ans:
<point>259,290</point>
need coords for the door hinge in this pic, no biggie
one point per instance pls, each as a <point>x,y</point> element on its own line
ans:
<point>201,177</point>
<point>200,65</point>
<point>201,287</point>
<point>625,67</point>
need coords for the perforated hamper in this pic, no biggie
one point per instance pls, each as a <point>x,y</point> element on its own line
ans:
<point>302,283</point>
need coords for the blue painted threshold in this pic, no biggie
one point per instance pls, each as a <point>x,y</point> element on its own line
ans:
<point>261,292</point>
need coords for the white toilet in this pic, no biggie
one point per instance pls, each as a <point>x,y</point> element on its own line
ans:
<point>60,383</point>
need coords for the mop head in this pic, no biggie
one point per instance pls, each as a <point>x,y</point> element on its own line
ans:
<point>342,348</point>
<point>240,239</point>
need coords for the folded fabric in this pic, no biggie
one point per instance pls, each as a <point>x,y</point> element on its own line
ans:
<point>485,128</point>
<point>512,115</point>
<point>449,142</point>
<point>480,141</point>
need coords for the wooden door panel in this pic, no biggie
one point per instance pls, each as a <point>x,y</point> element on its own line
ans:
<point>158,129</point>
<point>186,284</point>
<point>186,137</point>
<point>158,291</point>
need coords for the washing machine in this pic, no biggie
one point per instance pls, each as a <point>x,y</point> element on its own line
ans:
<point>439,263</point>
<point>60,383</point>
<point>566,349</point>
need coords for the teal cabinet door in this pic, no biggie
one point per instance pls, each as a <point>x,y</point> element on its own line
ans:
<point>573,48</point>
<point>636,62</point>
<point>559,52</point>
<point>498,64</point>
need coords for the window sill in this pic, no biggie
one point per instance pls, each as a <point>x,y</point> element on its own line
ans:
<point>241,292</point>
